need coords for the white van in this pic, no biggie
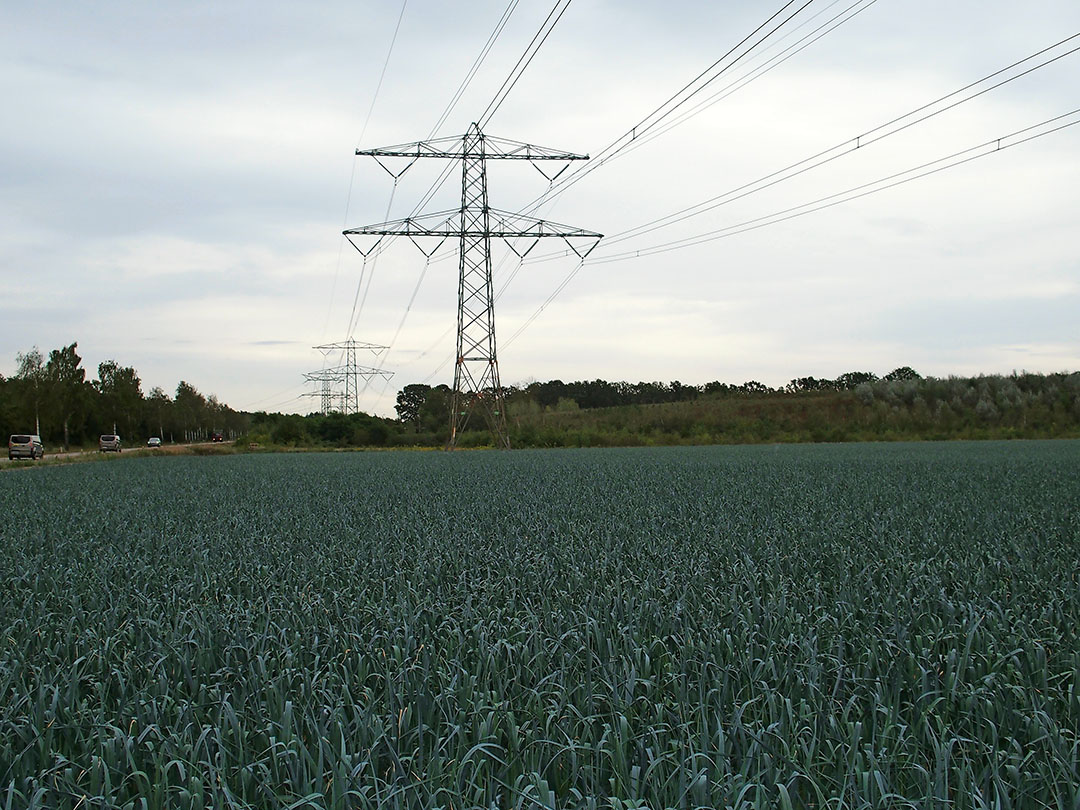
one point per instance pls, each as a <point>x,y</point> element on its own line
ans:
<point>25,445</point>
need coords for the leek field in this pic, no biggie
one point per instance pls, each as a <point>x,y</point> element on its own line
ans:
<point>825,626</point>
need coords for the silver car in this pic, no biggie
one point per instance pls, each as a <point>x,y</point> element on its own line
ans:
<point>109,442</point>
<point>25,445</point>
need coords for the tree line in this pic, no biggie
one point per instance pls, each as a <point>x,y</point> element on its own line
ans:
<point>422,406</point>
<point>861,406</point>
<point>1014,406</point>
<point>50,395</point>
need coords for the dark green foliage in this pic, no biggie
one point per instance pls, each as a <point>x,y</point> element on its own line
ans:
<point>72,411</point>
<point>65,381</point>
<point>121,397</point>
<point>289,430</point>
<point>424,408</point>
<point>410,403</point>
<point>319,430</point>
<point>603,394</point>
<point>858,626</point>
<point>853,379</point>
<point>811,410</point>
<point>902,373</point>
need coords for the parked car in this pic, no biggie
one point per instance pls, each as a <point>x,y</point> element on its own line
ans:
<point>25,445</point>
<point>217,436</point>
<point>109,442</point>
<point>153,441</point>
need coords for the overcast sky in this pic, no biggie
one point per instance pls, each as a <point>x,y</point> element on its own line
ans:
<point>176,178</point>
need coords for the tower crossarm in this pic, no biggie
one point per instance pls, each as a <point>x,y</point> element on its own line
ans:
<point>338,373</point>
<point>374,348</point>
<point>502,225</point>
<point>485,147</point>
<point>326,375</point>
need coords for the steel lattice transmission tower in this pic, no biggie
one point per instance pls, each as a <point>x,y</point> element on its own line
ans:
<point>326,379</point>
<point>349,373</point>
<point>476,369</point>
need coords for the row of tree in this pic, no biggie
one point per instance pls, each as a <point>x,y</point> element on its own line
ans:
<point>425,408</point>
<point>51,395</point>
<point>324,430</point>
<point>1023,398</point>
<point>1027,406</point>
<point>850,381</point>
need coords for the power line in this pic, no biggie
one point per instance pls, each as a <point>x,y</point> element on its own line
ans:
<point>990,147</point>
<point>660,114</point>
<point>543,306</point>
<point>523,62</point>
<point>822,30</point>
<point>871,136</point>
<point>475,66</point>
<point>827,27</point>
<point>382,75</point>
<point>397,332</point>
<point>674,102</point>
<point>352,168</point>
<point>253,403</point>
<point>846,147</point>
<point>850,145</point>
<point>962,157</point>
<point>738,84</point>
<point>277,405</point>
<point>354,315</point>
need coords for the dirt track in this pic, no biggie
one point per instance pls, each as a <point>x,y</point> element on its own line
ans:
<point>166,449</point>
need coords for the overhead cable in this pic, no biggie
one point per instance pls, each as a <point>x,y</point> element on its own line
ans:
<point>523,61</point>
<point>475,66</point>
<point>861,141</point>
<point>846,147</point>
<point>817,33</point>
<point>352,169</point>
<point>990,147</point>
<point>827,27</point>
<point>677,100</point>
<point>993,146</point>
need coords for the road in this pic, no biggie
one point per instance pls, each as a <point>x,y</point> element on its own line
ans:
<point>165,449</point>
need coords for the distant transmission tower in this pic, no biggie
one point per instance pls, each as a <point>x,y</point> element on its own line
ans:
<point>326,380</point>
<point>474,225</point>
<point>348,373</point>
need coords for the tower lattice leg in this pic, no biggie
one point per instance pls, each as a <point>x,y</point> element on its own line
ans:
<point>476,372</point>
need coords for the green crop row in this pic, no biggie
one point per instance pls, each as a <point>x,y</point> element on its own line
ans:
<point>857,626</point>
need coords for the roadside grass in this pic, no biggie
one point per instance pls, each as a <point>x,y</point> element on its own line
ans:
<point>226,449</point>
<point>86,456</point>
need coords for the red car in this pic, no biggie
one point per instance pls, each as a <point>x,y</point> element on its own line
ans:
<point>217,437</point>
